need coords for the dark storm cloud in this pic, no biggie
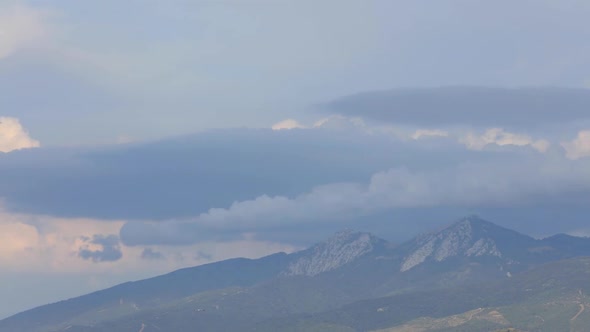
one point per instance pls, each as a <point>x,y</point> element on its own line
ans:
<point>219,185</point>
<point>522,108</point>
<point>506,182</point>
<point>185,176</point>
<point>110,251</point>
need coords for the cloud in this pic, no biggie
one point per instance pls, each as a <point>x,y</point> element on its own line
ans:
<point>151,254</point>
<point>35,247</point>
<point>287,124</point>
<point>185,176</point>
<point>500,137</point>
<point>21,27</point>
<point>46,245</point>
<point>45,97</point>
<point>492,184</point>
<point>100,248</point>
<point>13,136</point>
<point>182,65</point>
<point>339,122</point>
<point>335,122</point>
<point>579,147</point>
<point>37,243</point>
<point>203,255</point>
<point>220,184</point>
<point>477,106</point>
<point>16,238</point>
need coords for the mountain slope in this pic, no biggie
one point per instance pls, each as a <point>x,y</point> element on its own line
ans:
<point>557,290</point>
<point>328,277</point>
<point>343,248</point>
<point>132,296</point>
<point>546,298</point>
<point>144,295</point>
<point>471,237</point>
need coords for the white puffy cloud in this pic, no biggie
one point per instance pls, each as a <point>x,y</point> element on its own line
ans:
<point>13,136</point>
<point>579,147</point>
<point>500,137</point>
<point>287,124</point>
<point>332,122</point>
<point>21,27</point>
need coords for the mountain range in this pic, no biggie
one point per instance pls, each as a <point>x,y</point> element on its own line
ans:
<point>472,275</point>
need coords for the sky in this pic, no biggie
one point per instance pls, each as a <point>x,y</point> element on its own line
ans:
<point>138,137</point>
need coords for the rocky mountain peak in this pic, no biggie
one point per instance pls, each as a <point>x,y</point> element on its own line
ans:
<point>341,249</point>
<point>473,221</point>
<point>469,237</point>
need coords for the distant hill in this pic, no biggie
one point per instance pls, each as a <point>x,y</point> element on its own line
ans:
<point>473,274</point>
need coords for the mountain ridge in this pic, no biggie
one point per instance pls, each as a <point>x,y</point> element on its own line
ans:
<point>470,236</point>
<point>348,267</point>
<point>342,248</point>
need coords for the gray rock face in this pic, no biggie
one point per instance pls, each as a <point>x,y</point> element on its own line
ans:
<point>460,239</point>
<point>343,248</point>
